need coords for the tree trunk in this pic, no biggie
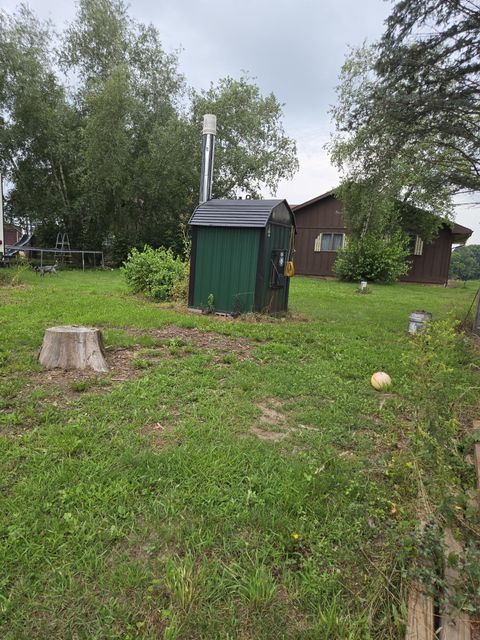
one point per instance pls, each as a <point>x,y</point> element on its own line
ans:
<point>73,347</point>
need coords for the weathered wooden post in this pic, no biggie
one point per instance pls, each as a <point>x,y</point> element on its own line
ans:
<point>73,347</point>
<point>476,322</point>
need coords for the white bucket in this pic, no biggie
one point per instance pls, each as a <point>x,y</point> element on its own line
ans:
<point>417,321</point>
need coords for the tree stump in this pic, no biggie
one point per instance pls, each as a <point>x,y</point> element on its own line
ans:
<point>73,347</point>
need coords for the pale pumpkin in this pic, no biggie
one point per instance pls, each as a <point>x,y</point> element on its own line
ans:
<point>380,380</point>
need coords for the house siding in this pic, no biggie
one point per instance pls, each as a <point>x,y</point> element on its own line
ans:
<point>432,266</point>
<point>324,216</point>
<point>12,234</point>
<point>319,217</point>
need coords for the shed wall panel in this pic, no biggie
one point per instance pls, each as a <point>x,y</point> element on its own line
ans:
<point>226,267</point>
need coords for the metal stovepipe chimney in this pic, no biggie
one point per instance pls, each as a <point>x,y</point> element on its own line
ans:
<point>208,152</point>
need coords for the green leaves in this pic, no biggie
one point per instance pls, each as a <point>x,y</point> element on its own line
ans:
<point>465,263</point>
<point>102,139</point>
<point>407,111</point>
<point>155,272</point>
<point>373,258</point>
<point>97,41</point>
<point>252,147</point>
<point>35,154</point>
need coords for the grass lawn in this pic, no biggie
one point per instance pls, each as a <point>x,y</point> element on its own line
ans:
<point>228,478</point>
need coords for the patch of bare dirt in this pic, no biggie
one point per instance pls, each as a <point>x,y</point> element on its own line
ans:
<point>305,427</point>
<point>271,416</point>
<point>156,434</point>
<point>346,453</point>
<point>271,436</point>
<point>271,409</point>
<point>121,367</point>
<point>128,363</point>
<point>384,398</point>
<point>160,434</point>
<point>216,342</point>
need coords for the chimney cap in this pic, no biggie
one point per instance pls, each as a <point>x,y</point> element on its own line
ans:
<point>209,124</point>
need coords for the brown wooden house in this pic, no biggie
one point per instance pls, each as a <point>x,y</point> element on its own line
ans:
<point>321,231</point>
<point>12,234</point>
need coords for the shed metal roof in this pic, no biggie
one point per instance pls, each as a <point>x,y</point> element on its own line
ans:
<point>235,213</point>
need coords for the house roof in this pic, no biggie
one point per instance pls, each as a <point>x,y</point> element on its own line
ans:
<point>12,227</point>
<point>237,213</point>
<point>459,232</point>
<point>327,194</point>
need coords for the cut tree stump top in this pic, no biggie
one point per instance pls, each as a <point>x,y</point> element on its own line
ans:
<point>72,328</point>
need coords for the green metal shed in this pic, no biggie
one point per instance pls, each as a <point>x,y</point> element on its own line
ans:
<point>240,250</point>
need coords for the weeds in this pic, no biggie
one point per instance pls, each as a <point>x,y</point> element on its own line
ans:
<point>439,449</point>
<point>13,276</point>
<point>105,534</point>
<point>141,363</point>
<point>180,576</point>
<point>254,585</point>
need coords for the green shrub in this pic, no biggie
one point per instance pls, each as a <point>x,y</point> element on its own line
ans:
<point>180,288</point>
<point>13,276</point>
<point>156,272</point>
<point>373,258</point>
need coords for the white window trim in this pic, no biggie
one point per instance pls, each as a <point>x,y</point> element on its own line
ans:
<point>418,250</point>
<point>317,247</point>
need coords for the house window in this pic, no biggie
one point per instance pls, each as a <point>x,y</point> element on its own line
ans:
<point>329,242</point>
<point>416,246</point>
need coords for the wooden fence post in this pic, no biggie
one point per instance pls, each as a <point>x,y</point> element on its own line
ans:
<point>476,322</point>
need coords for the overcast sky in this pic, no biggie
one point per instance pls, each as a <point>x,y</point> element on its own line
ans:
<point>294,48</point>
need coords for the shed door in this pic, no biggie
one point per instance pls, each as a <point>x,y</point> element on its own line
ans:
<point>275,291</point>
<point>226,267</point>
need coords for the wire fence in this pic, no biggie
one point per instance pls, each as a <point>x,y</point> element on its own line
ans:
<point>65,256</point>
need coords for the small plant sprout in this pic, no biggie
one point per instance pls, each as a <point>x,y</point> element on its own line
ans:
<point>210,303</point>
